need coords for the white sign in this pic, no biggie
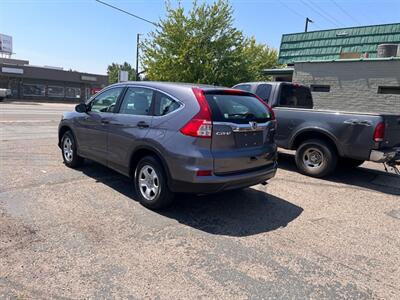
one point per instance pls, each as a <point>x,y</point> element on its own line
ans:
<point>122,76</point>
<point>88,78</point>
<point>12,70</point>
<point>6,43</point>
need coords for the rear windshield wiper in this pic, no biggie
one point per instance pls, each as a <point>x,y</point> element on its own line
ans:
<point>246,115</point>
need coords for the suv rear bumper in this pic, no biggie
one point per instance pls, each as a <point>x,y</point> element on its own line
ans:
<point>214,184</point>
<point>381,156</point>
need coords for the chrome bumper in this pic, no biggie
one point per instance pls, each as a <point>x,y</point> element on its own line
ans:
<point>384,156</point>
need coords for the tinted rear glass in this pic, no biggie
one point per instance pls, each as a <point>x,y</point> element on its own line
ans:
<point>295,96</point>
<point>239,109</point>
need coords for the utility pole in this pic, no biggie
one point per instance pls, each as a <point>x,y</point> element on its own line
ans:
<point>137,55</point>
<point>308,20</point>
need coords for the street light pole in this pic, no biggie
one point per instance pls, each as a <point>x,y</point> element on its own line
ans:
<point>308,21</point>
<point>137,55</point>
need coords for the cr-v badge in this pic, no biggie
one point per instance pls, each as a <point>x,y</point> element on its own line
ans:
<point>223,132</point>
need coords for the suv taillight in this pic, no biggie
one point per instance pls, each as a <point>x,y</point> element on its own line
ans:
<point>271,111</point>
<point>379,132</point>
<point>201,124</point>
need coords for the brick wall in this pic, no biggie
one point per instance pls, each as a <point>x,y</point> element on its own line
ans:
<point>353,84</point>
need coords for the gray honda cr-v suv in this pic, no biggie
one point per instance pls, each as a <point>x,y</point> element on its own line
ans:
<point>172,137</point>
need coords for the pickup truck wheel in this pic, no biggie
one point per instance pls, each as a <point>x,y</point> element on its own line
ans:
<point>69,151</point>
<point>316,158</point>
<point>349,163</point>
<point>151,184</point>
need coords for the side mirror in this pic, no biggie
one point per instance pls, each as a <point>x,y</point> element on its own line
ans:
<point>81,108</point>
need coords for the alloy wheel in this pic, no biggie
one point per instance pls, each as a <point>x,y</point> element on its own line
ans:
<point>149,182</point>
<point>67,149</point>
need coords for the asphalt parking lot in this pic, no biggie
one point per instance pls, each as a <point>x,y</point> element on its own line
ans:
<point>80,234</point>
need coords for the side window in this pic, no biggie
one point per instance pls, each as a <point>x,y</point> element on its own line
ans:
<point>105,102</point>
<point>165,105</point>
<point>263,91</point>
<point>137,101</point>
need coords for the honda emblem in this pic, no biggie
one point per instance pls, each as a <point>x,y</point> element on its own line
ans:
<point>253,125</point>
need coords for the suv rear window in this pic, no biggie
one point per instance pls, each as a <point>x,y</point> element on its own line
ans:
<point>295,96</point>
<point>239,109</point>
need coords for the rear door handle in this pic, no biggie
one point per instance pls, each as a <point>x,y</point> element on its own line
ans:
<point>365,123</point>
<point>142,124</point>
<point>116,124</point>
<point>105,121</point>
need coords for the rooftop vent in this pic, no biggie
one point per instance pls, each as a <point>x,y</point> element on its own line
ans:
<point>388,50</point>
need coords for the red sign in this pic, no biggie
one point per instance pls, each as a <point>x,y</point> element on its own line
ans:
<point>94,90</point>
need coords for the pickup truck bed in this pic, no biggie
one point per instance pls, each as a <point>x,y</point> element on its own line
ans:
<point>324,138</point>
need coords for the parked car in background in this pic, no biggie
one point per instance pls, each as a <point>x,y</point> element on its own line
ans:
<point>174,138</point>
<point>4,93</point>
<point>322,138</point>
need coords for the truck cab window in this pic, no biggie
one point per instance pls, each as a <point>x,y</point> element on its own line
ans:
<point>295,96</point>
<point>263,91</point>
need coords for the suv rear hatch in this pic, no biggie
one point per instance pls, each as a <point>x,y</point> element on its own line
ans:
<point>243,128</point>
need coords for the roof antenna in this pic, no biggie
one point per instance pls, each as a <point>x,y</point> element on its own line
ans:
<point>308,20</point>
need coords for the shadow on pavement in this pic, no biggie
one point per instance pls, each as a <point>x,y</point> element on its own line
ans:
<point>233,213</point>
<point>361,177</point>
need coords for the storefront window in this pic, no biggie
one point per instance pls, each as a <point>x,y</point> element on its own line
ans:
<point>55,91</point>
<point>72,92</point>
<point>34,90</point>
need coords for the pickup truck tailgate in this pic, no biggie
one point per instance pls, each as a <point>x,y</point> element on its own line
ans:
<point>392,130</point>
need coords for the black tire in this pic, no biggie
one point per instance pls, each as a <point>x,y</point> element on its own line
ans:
<point>316,158</point>
<point>71,159</point>
<point>349,163</point>
<point>157,198</point>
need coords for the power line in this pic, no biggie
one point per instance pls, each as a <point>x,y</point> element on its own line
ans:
<point>127,12</point>
<point>345,12</point>
<point>326,13</point>
<point>296,13</point>
<point>320,14</point>
<point>137,36</point>
<point>292,10</point>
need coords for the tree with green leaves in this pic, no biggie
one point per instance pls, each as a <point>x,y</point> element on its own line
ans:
<point>258,57</point>
<point>114,68</point>
<point>203,46</point>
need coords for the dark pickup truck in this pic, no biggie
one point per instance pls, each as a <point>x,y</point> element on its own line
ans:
<point>323,138</point>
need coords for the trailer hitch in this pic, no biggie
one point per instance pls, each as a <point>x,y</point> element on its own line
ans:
<point>393,164</point>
